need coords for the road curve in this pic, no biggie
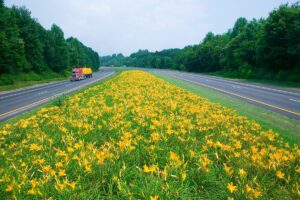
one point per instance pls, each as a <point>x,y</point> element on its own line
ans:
<point>278,99</point>
<point>15,102</point>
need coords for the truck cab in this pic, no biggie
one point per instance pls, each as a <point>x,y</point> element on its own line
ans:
<point>77,74</point>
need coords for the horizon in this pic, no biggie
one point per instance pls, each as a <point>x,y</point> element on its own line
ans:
<point>153,30</point>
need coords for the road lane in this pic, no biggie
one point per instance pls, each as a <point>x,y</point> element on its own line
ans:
<point>14,93</point>
<point>281,100</point>
<point>17,102</point>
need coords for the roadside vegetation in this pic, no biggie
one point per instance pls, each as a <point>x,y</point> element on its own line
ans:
<point>29,52</point>
<point>276,83</point>
<point>265,49</point>
<point>287,127</point>
<point>137,136</point>
<point>28,79</point>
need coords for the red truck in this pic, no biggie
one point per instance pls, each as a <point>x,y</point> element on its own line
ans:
<point>81,73</point>
<point>77,74</point>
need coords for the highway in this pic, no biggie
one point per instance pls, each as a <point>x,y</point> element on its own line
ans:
<point>282,100</point>
<point>15,102</point>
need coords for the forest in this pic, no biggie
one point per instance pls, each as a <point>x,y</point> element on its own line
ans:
<point>30,52</point>
<point>257,49</point>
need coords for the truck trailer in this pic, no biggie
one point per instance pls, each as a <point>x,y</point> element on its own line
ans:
<point>81,73</point>
<point>87,72</point>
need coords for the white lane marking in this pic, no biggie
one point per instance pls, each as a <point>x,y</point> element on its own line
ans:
<point>241,96</point>
<point>31,90</point>
<point>245,84</point>
<point>68,85</point>
<point>27,88</point>
<point>34,88</point>
<point>260,87</point>
<point>9,96</point>
<point>295,100</point>
<point>234,86</point>
<point>52,97</point>
<point>40,93</point>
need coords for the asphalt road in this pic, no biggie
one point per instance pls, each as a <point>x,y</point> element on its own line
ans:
<point>13,103</point>
<point>281,100</point>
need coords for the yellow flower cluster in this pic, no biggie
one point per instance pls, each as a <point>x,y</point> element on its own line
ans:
<point>136,136</point>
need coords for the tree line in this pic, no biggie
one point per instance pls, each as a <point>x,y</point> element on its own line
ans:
<point>26,47</point>
<point>257,49</point>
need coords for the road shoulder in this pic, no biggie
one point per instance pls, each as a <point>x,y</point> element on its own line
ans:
<point>31,86</point>
<point>24,110</point>
<point>287,127</point>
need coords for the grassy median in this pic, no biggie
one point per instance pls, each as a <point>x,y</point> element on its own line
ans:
<point>136,136</point>
<point>287,127</point>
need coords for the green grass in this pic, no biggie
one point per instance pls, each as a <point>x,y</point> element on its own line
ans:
<point>276,83</point>
<point>130,123</point>
<point>288,84</point>
<point>21,80</point>
<point>288,128</point>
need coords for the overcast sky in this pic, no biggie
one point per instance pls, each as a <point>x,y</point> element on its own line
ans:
<point>124,26</point>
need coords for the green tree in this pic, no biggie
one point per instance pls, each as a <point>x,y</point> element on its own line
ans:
<point>1,4</point>
<point>57,50</point>
<point>12,55</point>
<point>29,32</point>
<point>26,47</point>
<point>280,43</point>
<point>239,26</point>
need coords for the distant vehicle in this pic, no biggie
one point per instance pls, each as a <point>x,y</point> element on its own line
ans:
<point>87,72</point>
<point>81,73</point>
